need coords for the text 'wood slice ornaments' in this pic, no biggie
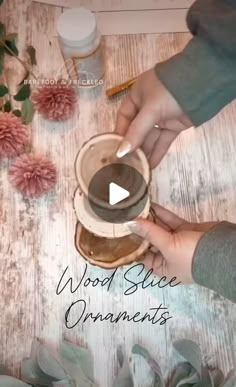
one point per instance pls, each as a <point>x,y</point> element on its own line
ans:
<point>102,236</point>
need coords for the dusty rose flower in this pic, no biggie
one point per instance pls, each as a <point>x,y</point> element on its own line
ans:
<point>33,175</point>
<point>14,136</point>
<point>56,102</point>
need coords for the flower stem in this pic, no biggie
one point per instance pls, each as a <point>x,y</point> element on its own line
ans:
<point>19,60</point>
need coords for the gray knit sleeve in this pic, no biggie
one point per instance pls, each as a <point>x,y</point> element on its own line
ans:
<point>214,262</point>
<point>202,78</point>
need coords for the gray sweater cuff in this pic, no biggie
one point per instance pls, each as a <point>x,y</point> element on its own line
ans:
<point>199,79</point>
<point>214,262</point>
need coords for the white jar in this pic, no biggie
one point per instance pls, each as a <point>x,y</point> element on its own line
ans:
<point>81,47</point>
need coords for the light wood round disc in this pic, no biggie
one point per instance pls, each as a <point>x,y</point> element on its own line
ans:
<point>99,152</point>
<point>109,253</point>
<point>96,225</point>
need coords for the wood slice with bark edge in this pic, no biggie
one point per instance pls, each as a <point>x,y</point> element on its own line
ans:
<point>100,151</point>
<point>109,253</point>
<point>94,224</point>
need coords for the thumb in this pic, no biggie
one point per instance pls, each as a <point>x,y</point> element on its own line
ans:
<point>137,131</point>
<point>151,232</point>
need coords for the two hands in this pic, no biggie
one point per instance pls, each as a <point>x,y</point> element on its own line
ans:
<point>150,104</point>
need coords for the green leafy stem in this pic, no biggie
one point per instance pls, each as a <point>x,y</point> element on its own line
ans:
<point>73,367</point>
<point>8,46</point>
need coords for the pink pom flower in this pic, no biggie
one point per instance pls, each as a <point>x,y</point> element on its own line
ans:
<point>33,175</point>
<point>56,102</point>
<point>14,136</point>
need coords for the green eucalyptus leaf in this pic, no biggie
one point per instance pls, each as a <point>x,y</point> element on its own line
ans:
<point>78,363</point>
<point>191,352</point>
<point>180,372</point>
<point>4,370</point>
<point>11,48</point>
<point>7,107</point>
<point>31,373</point>
<point>32,54</point>
<point>2,30</point>
<point>159,381</point>
<point>17,113</point>
<point>49,365</point>
<point>124,377</point>
<point>202,384</point>
<point>3,90</point>
<point>9,381</point>
<point>34,349</point>
<point>64,383</point>
<point>190,380</point>
<point>2,53</point>
<point>138,350</point>
<point>23,93</point>
<point>27,111</point>
<point>206,380</point>
<point>184,375</point>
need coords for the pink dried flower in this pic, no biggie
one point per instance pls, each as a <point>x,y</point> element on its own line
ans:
<point>56,102</point>
<point>33,175</point>
<point>14,136</point>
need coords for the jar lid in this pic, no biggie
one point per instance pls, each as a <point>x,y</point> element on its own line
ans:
<point>77,27</point>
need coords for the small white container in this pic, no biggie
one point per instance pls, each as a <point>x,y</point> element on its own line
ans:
<point>81,47</point>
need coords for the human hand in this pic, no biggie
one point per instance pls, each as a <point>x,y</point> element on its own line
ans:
<point>148,104</point>
<point>174,242</point>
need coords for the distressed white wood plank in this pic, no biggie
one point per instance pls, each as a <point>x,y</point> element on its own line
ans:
<point>196,180</point>
<point>120,5</point>
<point>18,272</point>
<point>145,22</point>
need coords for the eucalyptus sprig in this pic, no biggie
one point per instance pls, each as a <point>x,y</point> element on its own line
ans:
<point>23,95</point>
<point>73,367</point>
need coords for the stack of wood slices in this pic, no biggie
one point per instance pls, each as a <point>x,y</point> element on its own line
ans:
<point>102,236</point>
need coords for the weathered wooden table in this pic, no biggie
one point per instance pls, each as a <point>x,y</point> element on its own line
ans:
<point>196,179</point>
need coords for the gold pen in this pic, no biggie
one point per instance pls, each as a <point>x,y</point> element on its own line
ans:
<point>120,88</point>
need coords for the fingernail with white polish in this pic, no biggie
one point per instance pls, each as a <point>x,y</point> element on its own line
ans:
<point>133,226</point>
<point>124,149</point>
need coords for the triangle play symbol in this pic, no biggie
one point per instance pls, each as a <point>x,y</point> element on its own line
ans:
<point>117,194</point>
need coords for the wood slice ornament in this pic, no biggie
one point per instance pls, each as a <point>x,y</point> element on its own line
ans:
<point>109,244</point>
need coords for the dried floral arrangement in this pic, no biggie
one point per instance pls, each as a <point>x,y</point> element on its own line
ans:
<point>54,100</point>
<point>73,367</point>
<point>32,174</point>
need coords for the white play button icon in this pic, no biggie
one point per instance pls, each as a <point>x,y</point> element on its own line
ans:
<point>117,194</point>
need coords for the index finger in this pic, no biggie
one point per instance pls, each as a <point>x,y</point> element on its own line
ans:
<point>167,217</point>
<point>126,115</point>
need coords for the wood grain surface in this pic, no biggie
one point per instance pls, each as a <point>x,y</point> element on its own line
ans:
<point>120,5</point>
<point>196,179</point>
<point>134,17</point>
